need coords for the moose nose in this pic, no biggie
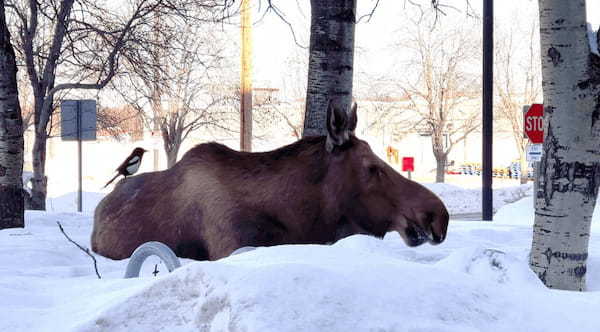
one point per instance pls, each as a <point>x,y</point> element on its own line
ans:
<point>438,225</point>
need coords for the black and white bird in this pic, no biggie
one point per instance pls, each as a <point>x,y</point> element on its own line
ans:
<point>130,165</point>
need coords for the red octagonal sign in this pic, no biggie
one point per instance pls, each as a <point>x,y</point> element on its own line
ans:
<point>534,123</point>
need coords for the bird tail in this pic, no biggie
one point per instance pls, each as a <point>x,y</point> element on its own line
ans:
<point>111,180</point>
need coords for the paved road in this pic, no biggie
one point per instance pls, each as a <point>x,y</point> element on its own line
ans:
<point>467,216</point>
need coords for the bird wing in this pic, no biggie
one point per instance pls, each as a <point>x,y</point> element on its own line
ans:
<point>133,165</point>
<point>126,163</point>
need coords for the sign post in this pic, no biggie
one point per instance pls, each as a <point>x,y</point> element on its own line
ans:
<point>408,165</point>
<point>533,127</point>
<point>78,122</point>
<point>487,116</point>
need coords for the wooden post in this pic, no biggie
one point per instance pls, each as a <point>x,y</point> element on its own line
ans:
<point>246,79</point>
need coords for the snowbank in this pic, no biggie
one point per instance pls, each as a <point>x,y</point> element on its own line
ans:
<point>460,200</point>
<point>477,280</point>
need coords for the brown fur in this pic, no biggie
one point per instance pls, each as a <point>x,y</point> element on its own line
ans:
<point>216,200</point>
<point>317,190</point>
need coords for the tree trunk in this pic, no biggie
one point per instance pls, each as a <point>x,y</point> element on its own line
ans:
<point>570,167</point>
<point>172,135</point>
<point>331,61</point>
<point>11,135</point>
<point>172,152</point>
<point>440,170</point>
<point>39,182</point>
<point>524,166</point>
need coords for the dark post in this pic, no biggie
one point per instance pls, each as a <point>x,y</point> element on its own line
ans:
<point>79,198</point>
<point>487,116</point>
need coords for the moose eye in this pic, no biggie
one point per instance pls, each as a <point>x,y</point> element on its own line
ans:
<point>373,170</point>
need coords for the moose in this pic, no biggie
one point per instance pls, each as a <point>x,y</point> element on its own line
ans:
<point>314,191</point>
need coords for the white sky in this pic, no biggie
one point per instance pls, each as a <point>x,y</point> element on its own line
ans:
<point>273,42</point>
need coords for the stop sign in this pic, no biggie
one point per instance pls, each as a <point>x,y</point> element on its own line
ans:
<point>534,123</point>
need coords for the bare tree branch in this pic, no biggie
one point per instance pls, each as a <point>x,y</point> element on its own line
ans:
<point>85,250</point>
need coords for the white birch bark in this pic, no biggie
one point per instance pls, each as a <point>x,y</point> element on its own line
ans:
<point>11,135</point>
<point>570,167</point>
<point>331,59</point>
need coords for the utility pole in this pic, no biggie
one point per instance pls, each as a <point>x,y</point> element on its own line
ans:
<point>156,95</point>
<point>487,112</point>
<point>246,79</point>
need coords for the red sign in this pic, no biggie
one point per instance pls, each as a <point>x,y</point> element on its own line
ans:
<point>534,123</point>
<point>408,164</point>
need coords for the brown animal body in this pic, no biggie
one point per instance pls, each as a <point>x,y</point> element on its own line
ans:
<point>317,190</point>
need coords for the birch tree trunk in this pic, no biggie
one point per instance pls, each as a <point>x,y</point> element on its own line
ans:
<point>570,167</point>
<point>331,61</point>
<point>11,134</point>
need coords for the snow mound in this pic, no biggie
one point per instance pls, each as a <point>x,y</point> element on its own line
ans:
<point>334,288</point>
<point>460,200</point>
<point>477,280</point>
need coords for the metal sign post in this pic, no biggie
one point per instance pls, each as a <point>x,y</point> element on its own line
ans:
<point>533,129</point>
<point>79,163</point>
<point>78,122</point>
<point>487,103</point>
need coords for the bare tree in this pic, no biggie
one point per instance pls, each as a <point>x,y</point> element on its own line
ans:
<point>189,91</point>
<point>331,54</point>
<point>83,44</point>
<point>25,100</point>
<point>287,115</point>
<point>569,171</point>
<point>438,82</point>
<point>517,81</point>
<point>11,134</point>
<point>289,106</point>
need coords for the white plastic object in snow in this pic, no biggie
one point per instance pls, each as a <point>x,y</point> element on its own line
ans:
<point>242,250</point>
<point>152,248</point>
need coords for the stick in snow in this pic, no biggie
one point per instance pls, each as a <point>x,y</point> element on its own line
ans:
<point>86,250</point>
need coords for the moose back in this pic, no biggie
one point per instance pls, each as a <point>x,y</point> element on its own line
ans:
<point>317,190</point>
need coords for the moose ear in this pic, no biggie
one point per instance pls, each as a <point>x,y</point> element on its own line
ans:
<point>340,124</point>
<point>352,118</point>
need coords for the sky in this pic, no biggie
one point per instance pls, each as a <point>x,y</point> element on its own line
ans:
<point>274,46</point>
<point>273,39</point>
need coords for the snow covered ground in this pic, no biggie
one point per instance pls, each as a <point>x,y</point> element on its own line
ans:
<point>478,280</point>
<point>460,200</point>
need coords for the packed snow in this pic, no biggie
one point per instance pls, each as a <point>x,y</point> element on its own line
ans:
<point>477,280</point>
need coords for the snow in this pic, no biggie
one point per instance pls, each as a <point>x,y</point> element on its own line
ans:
<point>460,200</point>
<point>477,280</point>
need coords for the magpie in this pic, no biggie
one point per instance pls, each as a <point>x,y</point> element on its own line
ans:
<point>130,165</point>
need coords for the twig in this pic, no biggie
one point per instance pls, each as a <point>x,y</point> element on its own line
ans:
<point>86,250</point>
<point>370,14</point>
